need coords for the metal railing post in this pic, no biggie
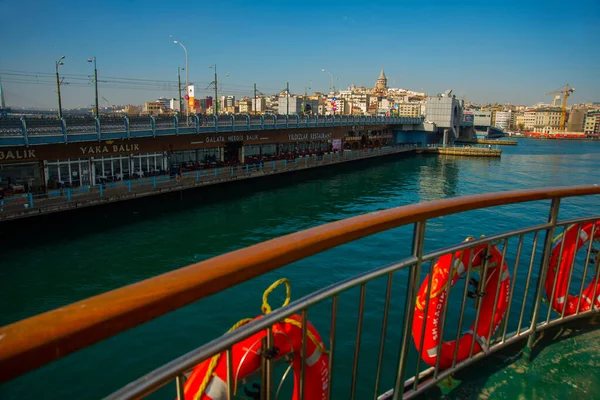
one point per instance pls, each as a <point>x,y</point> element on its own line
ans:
<point>63,127</point>
<point>180,384</point>
<point>411,294</point>
<point>101,190</point>
<point>68,194</point>
<point>30,196</point>
<point>127,127</point>
<point>552,218</point>
<point>97,127</point>
<point>267,366</point>
<point>24,131</point>
<point>129,185</point>
<point>154,182</point>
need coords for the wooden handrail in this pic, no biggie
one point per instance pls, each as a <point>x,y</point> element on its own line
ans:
<point>41,339</point>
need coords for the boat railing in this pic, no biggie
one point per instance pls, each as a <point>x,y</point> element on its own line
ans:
<point>526,254</point>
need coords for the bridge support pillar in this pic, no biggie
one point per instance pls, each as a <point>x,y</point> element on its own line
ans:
<point>445,139</point>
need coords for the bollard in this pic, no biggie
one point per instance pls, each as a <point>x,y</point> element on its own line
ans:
<point>30,200</point>
<point>101,192</point>
<point>273,164</point>
<point>129,185</point>
<point>246,168</point>
<point>284,163</point>
<point>261,165</point>
<point>215,172</point>
<point>231,171</point>
<point>68,194</point>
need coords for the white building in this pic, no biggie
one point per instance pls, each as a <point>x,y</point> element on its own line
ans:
<point>482,118</point>
<point>410,109</point>
<point>529,120</point>
<point>295,105</point>
<point>174,104</point>
<point>356,100</point>
<point>342,106</point>
<point>503,119</point>
<point>384,106</point>
<point>244,106</point>
<point>168,103</point>
<point>259,105</point>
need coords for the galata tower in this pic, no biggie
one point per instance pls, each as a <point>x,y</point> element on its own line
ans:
<point>381,84</point>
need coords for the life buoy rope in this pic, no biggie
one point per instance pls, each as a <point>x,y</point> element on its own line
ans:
<point>566,246</point>
<point>444,275</point>
<point>209,378</point>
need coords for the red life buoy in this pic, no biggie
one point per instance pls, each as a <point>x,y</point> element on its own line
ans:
<point>246,356</point>
<point>438,297</point>
<point>561,272</point>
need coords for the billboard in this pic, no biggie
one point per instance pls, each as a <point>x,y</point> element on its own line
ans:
<point>468,116</point>
<point>190,93</point>
<point>336,144</point>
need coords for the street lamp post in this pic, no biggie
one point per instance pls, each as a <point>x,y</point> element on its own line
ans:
<point>306,88</point>
<point>59,62</point>
<point>186,76</point>
<point>96,84</point>
<point>216,100</point>
<point>332,85</point>
<point>179,87</point>
<point>331,76</point>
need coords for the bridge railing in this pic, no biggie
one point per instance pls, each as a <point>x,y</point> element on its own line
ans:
<point>140,124</point>
<point>113,125</point>
<point>44,127</point>
<point>411,297</point>
<point>12,126</point>
<point>165,122</point>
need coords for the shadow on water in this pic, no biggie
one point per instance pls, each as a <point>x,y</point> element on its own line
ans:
<point>63,226</point>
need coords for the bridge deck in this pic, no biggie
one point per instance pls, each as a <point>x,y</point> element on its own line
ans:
<point>18,132</point>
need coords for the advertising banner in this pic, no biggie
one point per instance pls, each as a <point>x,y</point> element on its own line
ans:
<point>190,94</point>
<point>337,144</point>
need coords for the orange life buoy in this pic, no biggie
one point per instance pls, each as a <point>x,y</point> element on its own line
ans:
<point>439,295</point>
<point>561,272</point>
<point>178,178</point>
<point>246,354</point>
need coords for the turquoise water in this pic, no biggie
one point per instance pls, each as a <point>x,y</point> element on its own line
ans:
<point>58,260</point>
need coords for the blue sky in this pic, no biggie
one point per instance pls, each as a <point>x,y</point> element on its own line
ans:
<point>504,51</point>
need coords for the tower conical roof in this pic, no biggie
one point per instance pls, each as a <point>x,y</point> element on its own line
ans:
<point>382,74</point>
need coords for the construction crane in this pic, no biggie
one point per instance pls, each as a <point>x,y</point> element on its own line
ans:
<point>566,92</point>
